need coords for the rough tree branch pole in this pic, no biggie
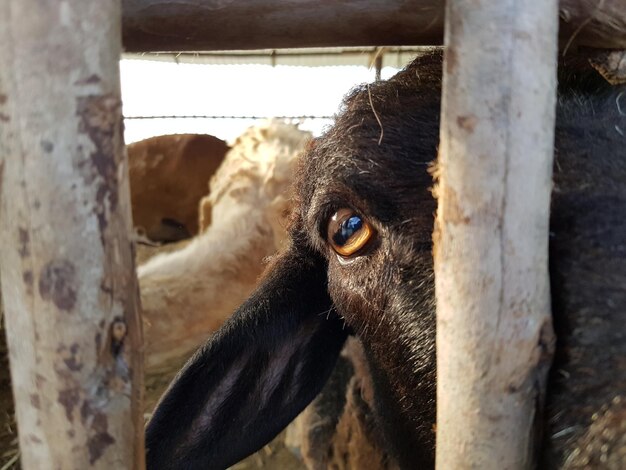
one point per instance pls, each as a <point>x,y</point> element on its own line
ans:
<point>68,283</point>
<point>494,333</point>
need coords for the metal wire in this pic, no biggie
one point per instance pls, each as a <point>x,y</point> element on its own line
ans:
<point>226,117</point>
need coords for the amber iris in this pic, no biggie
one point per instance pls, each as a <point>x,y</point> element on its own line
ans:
<point>348,232</point>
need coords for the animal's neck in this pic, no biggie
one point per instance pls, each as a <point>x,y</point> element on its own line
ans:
<point>405,411</point>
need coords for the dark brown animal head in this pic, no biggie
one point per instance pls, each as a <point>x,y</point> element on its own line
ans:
<point>359,263</point>
<point>372,166</point>
<point>276,352</point>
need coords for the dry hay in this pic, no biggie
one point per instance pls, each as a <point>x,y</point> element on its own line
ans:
<point>9,451</point>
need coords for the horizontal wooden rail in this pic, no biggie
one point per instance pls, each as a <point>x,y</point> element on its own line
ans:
<point>170,25</point>
<point>203,25</point>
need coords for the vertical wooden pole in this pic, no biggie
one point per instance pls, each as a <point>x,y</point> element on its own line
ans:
<point>494,334</point>
<point>68,280</point>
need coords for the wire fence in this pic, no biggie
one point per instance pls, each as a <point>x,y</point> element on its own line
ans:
<point>225,127</point>
<point>296,118</point>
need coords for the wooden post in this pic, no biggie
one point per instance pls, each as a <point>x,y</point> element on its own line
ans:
<point>68,281</point>
<point>494,333</point>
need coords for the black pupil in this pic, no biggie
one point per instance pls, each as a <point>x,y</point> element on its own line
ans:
<point>347,228</point>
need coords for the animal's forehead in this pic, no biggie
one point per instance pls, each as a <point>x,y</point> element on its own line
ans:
<point>375,156</point>
<point>388,182</point>
<point>353,161</point>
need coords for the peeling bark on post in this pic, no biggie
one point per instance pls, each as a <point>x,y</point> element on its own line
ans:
<point>494,332</point>
<point>68,281</point>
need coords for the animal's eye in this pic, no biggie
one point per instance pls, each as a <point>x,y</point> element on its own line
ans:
<point>348,232</point>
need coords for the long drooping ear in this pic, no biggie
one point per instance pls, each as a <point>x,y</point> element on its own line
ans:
<point>254,375</point>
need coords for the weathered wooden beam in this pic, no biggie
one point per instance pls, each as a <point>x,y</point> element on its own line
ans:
<point>68,281</point>
<point>203,25</point>
<point>171,25</point>
<point>494,330</point>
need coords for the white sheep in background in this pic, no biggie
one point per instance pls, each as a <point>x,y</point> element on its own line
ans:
<point>187,294</point>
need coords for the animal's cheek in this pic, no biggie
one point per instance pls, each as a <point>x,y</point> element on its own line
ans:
<point>358,297</point>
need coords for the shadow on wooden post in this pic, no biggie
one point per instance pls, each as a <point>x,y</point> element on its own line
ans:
<point>68,280</point>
